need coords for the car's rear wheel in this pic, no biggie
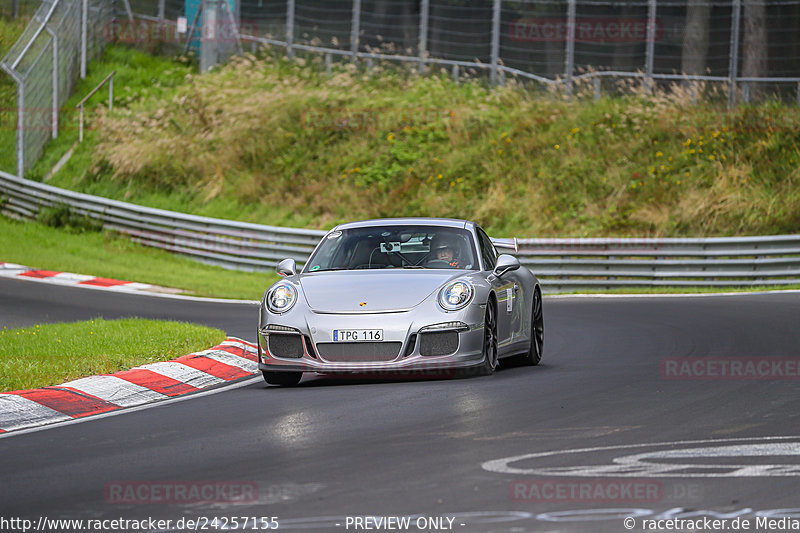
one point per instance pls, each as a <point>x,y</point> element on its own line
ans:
<point>536,350</point>
<point>489,340</point>
<point>284,379</point>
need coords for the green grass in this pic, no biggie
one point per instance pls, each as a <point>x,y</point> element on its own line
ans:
<point>272,141</point>
<point>107,255</point>
<point>52,354</point>
<point>139,77</point>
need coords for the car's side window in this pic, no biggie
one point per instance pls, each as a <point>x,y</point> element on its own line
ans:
<point>488,252</point>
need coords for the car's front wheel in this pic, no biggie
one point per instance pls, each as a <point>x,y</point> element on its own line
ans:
<point>284,379</point>
<point>489,340</point>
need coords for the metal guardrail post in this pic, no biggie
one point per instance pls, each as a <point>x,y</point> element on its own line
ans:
<point>355,29</point>
<point>651,43</point>
<point>422,48</point>
<point>569,56</point>
<point>495,46</point>
<point>733,66</point>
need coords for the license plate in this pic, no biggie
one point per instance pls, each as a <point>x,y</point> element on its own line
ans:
<point>357,335</point>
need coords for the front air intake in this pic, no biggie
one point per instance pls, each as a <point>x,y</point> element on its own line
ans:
<point>351,352</point>
<point>285,345</point>
<point>434,343</point>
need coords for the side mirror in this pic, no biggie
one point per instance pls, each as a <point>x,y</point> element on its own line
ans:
<point>505,263</point>
<point>287,267</point>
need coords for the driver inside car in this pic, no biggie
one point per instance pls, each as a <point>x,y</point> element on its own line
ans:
<point>444,248</point>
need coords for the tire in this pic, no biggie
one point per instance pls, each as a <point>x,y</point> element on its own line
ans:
<point>284,379</point>
<point>536,349</point>
<point>489,364</point>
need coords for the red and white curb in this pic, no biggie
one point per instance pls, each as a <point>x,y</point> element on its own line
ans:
<point>231,360</point>
<point>12,270</point>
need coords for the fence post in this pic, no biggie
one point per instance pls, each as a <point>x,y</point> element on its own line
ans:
<point>598,89</point>
<point>355,28</point>
<point>14,9</point>
<point>734,52</point>
<point>495,51</point>
<point>161,11</point>
<point>209,52</point>
<point>289,28</point>
<point>424,14</point>
<point>569,56</point>
<point>54,94</point>
<point>84,35</point>
<point>21,128</point>
<point>651,43</point>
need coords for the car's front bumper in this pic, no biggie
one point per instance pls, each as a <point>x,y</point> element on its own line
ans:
<point>403,328</point>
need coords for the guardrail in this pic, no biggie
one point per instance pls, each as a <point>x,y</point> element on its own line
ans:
<point>634,262</point>
<point>235,245</point>
<point>561,264</point>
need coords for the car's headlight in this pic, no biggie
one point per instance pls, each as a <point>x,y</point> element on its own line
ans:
<point>281,298</point>
<point>456,295</point>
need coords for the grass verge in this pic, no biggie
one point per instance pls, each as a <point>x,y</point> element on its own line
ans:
<point>52,354</point>
<point>268,140</point>
<point>108,255</point>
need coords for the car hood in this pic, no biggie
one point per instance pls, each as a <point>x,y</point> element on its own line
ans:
<point>365,291</point>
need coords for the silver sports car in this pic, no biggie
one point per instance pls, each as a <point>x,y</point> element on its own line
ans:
<point>413,296</point>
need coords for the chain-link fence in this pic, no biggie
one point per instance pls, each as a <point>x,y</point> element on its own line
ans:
<point>752,46</point>
<point>44,64</point>
<point>13,9</point>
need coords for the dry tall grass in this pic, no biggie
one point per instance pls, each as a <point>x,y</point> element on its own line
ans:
<point>273,141</point>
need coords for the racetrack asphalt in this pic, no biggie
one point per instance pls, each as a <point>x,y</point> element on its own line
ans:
<point>332,449</point>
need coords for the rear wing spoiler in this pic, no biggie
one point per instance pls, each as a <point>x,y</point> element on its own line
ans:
<point>506,244</point>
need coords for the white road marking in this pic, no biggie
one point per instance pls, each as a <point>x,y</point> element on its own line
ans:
<point>67,278</point>
<point>647,464</point>
<point>183,373</point>
<point>115,390</point>
<point>236,385</point>
<point>19,412</point>
<point>233,360</point>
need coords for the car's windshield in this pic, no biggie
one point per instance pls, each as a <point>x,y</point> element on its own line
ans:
<point>394,247</point>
